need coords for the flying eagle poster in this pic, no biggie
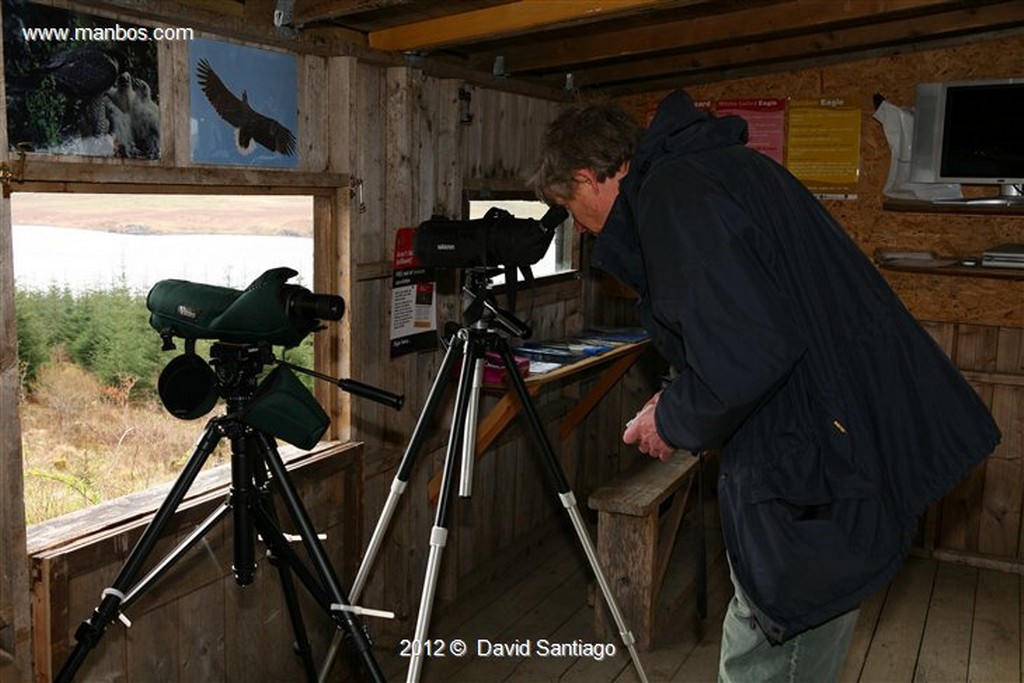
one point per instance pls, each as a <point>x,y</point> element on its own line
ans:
<point>244,105</point>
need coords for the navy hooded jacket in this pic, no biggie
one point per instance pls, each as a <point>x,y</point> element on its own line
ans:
<point>839,418</point>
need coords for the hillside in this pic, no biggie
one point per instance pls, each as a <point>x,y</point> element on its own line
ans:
<point>144,214</point>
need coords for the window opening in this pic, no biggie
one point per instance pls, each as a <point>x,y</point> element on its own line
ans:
<point>93,426</point>
<point>558,258</point>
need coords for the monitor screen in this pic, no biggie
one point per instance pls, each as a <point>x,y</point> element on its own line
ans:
<point>983,132</point>
<point>970,132</point>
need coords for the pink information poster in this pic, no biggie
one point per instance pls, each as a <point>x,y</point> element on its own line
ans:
<point>766,122</point>
<point>413,300</point>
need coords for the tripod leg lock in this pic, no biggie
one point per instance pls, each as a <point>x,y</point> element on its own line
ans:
<point>120,598</point>
<point>360,611</point>
<point>90,631</point>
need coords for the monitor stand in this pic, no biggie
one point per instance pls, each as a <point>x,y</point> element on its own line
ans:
<point>1009,195</point>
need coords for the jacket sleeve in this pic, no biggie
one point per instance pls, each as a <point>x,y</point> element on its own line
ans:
<point>720,306</point>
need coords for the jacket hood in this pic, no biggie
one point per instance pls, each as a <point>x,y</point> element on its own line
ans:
<point>678,128</point>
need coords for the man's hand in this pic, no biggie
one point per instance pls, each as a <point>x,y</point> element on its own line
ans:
<point>642,432</point>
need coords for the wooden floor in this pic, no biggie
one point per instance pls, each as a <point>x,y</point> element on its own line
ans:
<point>936,622</point>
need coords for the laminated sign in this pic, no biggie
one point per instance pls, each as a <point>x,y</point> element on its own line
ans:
<point>823,149</point>
<point>413,299</point>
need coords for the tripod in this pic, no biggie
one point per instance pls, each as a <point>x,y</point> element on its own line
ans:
<point>256,471</point>
<point>474,340</point>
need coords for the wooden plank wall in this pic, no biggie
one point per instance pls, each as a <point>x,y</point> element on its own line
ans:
<point>245,632</point>
<point>982,520</point>
<point>15,626</point>
<point>414,161</point>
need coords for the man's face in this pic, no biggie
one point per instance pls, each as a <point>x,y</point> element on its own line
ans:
<point>593,200</point>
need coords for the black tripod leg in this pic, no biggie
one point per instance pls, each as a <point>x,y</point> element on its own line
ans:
<point>412,451</point>
<point>568,499</point>
<point>301,643</point>
<point>439,532</point>
<point>243,497</point>
<point>266,523</point>
<point>91,630</point>
<point>339,607</point>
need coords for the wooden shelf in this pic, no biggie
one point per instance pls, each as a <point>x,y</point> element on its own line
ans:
<point>1016,209</point>
<point>957,270</point>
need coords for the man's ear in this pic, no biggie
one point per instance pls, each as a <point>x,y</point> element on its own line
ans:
<point>585,176</point>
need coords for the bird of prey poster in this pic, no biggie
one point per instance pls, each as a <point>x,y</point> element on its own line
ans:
<point>73,87</point>
<point>244,110</point>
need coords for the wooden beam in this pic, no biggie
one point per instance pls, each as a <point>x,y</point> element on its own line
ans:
<point>233,8</point>
<point>817,46</point>
<point>307,12</point>
<point>501,21</point>
<point>40,173</point>
<point>745,26</point>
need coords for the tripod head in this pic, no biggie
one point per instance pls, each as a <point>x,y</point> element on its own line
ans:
<point>481,308</point>
<point>278,404</point>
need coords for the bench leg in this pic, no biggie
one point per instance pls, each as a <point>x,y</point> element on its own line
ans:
<point>627,549</point>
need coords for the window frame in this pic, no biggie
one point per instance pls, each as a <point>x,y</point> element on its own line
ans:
<point>331,355</point>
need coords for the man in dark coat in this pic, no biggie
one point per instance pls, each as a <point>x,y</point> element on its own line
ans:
<point>838,416</point>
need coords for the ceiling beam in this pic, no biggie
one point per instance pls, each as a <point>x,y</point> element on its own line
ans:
<point>309,11</point>
<point>743,25</point>
<point>697,66</point>
<point>507,19</point>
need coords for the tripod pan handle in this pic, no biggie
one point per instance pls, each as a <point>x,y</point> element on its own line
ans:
<point>373,393</point>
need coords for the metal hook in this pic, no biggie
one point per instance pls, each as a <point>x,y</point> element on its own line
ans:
<point>356,190</point>
<point>14,172</point>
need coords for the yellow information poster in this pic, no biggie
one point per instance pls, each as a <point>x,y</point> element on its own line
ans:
<point>823,146</point>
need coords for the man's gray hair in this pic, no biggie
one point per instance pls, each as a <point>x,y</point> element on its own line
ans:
<point>600,137</point>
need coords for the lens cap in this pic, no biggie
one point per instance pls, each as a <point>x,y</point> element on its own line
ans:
<point>187,386</point>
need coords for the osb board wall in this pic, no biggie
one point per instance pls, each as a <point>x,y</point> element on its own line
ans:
<point>952,299</point>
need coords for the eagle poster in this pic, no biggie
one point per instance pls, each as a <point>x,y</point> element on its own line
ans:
<point>244,110</point>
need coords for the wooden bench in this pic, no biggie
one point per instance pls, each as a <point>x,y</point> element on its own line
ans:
<point>635,538</point>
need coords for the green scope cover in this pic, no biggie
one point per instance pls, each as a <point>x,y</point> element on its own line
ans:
<point>256,314</point>
<point>284,408</point>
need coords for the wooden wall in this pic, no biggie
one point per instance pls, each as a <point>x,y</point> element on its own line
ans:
<point>195,623</point>
<point>415,161</point>
<point>396,132</point>
<point>978,321</point>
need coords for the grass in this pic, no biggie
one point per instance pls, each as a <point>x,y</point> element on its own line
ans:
<point>84,442</point>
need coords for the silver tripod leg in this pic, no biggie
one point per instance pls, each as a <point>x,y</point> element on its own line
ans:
<point>568,499</point>
<point>439,533</point>
<point>438,540</point>
<point>398,486</point>
<point>569,503</point>
<point>469,434</point>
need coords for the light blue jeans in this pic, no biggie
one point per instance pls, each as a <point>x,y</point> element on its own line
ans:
<point>814,656</point>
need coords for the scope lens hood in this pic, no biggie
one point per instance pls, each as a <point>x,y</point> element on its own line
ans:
<point>187,387</point>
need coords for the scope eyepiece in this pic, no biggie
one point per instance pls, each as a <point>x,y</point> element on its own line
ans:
<point>303,304</point>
